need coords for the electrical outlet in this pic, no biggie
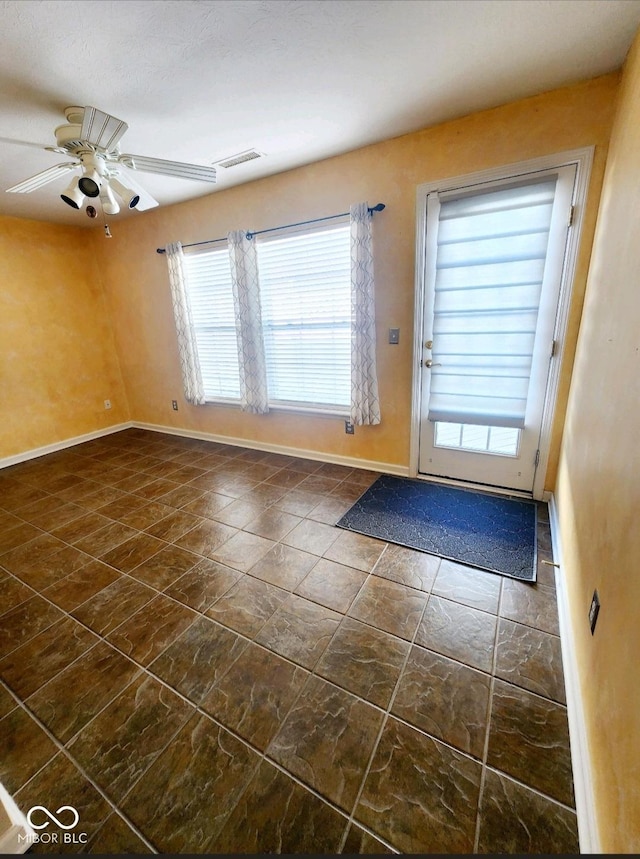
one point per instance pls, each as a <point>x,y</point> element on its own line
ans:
<point>174,405</point>
<point>594,610</point>
<point>349,428</point>
<point>394,336</point>
<point>107,404</point>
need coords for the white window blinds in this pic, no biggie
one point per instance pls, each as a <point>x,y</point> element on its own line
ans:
<point>305,297</point>
<point>211,297</point>
<point>491,250</point>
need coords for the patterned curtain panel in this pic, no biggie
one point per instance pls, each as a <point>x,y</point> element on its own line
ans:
<point>189,363</point>
<point>246,299</point>
<point>365,403</point>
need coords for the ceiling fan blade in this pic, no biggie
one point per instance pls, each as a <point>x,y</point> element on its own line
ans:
<point>179,169</point>
<point>13,142</point>
<point>40,179</point>
<point>101,128</point>
<point>146,200</point>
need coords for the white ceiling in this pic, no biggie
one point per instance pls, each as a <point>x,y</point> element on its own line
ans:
<point>299,80</point>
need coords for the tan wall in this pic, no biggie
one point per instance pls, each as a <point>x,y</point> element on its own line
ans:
<point>137,286</point>
<point>57,355</point>
<point>598,488</point>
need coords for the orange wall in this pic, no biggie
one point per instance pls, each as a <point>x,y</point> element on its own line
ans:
<point>138,292</point>
<point>57,354</point>
<point>598,488</point>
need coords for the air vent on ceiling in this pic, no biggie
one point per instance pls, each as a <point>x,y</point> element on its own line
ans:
<point>240,158</point>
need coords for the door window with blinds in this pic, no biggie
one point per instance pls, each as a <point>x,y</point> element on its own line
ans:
<point>493,265</point>
<point>305,299</point>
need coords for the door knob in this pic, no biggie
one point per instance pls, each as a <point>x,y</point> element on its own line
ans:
<point>429,363</point>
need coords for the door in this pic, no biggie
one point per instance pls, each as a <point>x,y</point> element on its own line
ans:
<point>494,257</point>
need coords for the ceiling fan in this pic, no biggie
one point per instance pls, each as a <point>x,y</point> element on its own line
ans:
<point>91,138</point>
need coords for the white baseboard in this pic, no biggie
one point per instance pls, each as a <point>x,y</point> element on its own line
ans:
<point>302,453</point>
<point>61,445</point>
<point>580,757</point>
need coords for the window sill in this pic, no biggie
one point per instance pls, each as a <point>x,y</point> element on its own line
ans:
<point>315,411</point>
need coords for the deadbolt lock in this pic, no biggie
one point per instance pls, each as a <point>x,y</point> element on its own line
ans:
<point>428,344</point>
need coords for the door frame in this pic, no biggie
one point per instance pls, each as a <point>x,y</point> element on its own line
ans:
<point>583,159</point>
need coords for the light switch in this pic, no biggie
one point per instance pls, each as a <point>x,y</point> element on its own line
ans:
<point>394,336</point>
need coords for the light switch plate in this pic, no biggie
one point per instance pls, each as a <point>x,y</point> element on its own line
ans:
<point>394,336</point>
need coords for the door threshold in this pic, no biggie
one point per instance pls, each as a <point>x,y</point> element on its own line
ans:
<point>480,487</point>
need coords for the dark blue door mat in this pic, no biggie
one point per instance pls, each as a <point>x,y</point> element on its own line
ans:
<point>492,532</point>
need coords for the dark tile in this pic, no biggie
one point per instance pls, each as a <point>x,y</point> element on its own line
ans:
<point>203,584</point>
<point>165,567</point>
<point>181,495</point>
<point>359,842</point>
<point>444,699</point>
<point>13,592</point>
<point>255,695</point>
<point>364,660</point>
<point>239,513</point>
<point>156,489</point>
<point>81,585</point>
<point>300,630</point>
<point>7,702</point>
<point>114,604</point>
<point>187,794</point>
<point>173,526</point>
<point>273,524</point>
<point>40,659</point>
<point>29,556</point>
<point>298,503</point>
<point>101,542</point>
<point>133,552</point>
<point>116,837</point>
<point>95,678</point>
<point>458,631</point>
<point>529,740</point>
<point>408,567</point>
<point>242,551</point>
<point>25,748</point>
<point>284,566</point>
<point>53,568</point>
<point>514,819</point>
<point>79,529</point>
<point>146,515</point>
<point>533,605</point>
<point>389,606</point>
<point>198,658</point>
<point>466,585</point>
<point>206,537</point>
<point>207,505</point>
<point>248,605</point>
<point>332,585</point>
<point>530,658</point>
<point>313,537</point>
<point>420,795</point>
<point>24,622</point>
<point>277,815</point>
<point>329,510</point>
<point>152,629</point>
<point>356,550</point>
<point>61,783</point>
<point>326,741</point>
<point>122,742</point>
<point>21,532</point>
<point>316,483</point>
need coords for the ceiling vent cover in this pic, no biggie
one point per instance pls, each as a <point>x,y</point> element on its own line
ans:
<point>240,158</point>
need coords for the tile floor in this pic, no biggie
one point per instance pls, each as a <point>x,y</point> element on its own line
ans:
<point>198,661</point>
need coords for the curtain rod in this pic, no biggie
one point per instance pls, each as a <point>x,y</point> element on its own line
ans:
<point>377,208</point>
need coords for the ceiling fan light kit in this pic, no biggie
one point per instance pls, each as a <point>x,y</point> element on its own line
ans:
<point>91,138</point>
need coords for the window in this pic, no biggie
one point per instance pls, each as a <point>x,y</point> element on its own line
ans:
<point>208,275</point>
<point>305,296</point>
